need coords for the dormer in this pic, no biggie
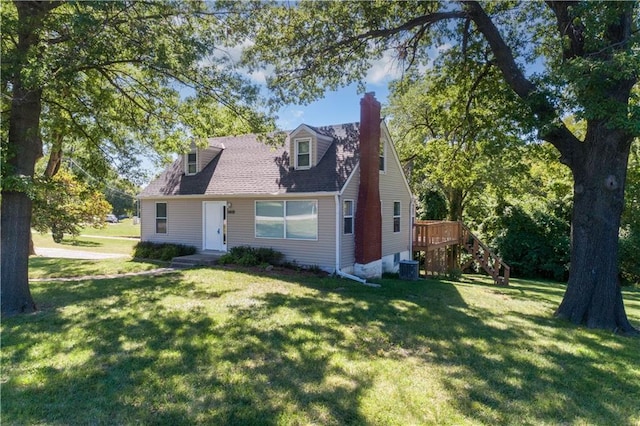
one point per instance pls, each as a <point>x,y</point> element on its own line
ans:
<point>307,147</point>
<point>198,158</point>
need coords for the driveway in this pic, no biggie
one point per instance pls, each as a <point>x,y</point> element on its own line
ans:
<point>78,254</point>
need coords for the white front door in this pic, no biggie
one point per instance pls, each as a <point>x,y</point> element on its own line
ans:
<point>214,225</point>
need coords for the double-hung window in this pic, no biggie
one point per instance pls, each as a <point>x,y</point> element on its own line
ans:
<point>303,153</point>
<point>347,214</point>
<point>296,220</point>
<point>381,164</point>
<point>396,216</point>
<point>161,218</point>
<point>192,163</point>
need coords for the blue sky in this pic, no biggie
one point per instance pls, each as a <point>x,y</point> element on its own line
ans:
<point>341,106</point>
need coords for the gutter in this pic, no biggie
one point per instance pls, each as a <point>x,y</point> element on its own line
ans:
<point>338,271</point>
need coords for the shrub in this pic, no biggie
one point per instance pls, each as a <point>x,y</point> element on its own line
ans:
<point>532,244</point>
<point>251,256</point>
<point>628,256</point>
<point>161,251</point>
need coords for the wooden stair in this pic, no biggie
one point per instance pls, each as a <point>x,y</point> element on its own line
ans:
<point>439,240</point>
<point>481,254</point>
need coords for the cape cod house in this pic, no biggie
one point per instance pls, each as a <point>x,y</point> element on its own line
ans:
<point>334,197</point>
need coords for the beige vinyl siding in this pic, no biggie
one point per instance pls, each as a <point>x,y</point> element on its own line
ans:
<point>393,188</point>
<point>241,231</point>
<point>348,242</point>
<point>303,134</point>
<point>184,222</point>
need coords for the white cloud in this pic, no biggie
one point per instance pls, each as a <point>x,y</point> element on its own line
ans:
<point>385,69</point>
<point>289,117</point>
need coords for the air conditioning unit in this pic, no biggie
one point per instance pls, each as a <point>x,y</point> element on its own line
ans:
<point>409,270</point>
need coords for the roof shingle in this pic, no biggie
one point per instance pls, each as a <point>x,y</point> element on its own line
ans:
<point>248,166</point>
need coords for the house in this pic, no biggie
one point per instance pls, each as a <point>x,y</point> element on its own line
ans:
<point>333,197</point>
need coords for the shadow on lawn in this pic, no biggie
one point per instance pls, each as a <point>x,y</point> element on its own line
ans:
<point>155,351</point>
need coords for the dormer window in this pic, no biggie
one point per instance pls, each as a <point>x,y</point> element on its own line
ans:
<point>303,153</point>
<point>191,167</point>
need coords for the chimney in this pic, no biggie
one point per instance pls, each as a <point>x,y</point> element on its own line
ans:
<point>368,226</point>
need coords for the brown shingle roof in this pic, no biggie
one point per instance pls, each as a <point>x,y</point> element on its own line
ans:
<point>249,166</point>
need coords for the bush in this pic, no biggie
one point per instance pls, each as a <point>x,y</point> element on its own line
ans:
<point>628,257</point>
<point>161,251</point>
<point>250,256</point>
<point>533,245</point>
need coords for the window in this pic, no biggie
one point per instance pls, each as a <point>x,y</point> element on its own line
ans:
<point>396,259</point>
<point>303,153</point>
<point>382,162</point>
<point>396,216</point>
<point>161,218</point>
<point>296,220</point>
<point>192,163</point>
<point>347,214</point>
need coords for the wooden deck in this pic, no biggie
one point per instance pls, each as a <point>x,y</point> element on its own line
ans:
<point>430,234</point>
<point>442,243</point>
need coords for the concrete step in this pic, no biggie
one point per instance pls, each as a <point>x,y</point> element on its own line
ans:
<point>201,259</point>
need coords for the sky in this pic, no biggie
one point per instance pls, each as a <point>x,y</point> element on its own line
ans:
<point>341,106</point>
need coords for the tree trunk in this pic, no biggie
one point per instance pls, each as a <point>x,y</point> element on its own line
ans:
<point>456,201</point>
<point>55,156</point>
<point>593,296</point>
<point>23,149</point>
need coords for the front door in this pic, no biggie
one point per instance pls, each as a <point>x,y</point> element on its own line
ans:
<point>214,216</point>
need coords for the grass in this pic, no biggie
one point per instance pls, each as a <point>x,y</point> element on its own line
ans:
<point>83,243</point>
<point>125,228</point>
<point>126,236</point>
<point>44,267</point>
<point>216,346</point>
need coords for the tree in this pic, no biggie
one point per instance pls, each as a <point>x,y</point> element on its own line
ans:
<point>453,124</point>
<point>63,203</point>
<point>586,61</point>
<point>113,75</point>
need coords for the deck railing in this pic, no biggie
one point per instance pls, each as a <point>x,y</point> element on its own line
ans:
<point>431,236</point>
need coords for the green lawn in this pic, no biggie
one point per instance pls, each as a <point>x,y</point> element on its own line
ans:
<point>82,243</point>
<point>126,236</point>
<point>44,267</point>
<point>214,346</point>
<point>125,228</point>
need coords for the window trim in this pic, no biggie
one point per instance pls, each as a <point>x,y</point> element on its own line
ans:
<point>296,143</point>
<point>398,216</point>
<point>165,218</point>
<point>186,163</point>
<point>284,230</point>
<point>351,217</point>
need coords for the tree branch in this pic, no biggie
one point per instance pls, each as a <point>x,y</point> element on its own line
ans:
<point>551,128</point>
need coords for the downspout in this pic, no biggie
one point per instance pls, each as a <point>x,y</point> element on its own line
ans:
<point>338,271</point>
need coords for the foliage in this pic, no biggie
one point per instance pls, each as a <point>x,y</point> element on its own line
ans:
<point>124,81</point>
<point>222,347</point>
<point>63,204</point>
<point>533,244</point>
<point>630,230</point>
<point>455,124</point>
<point>629,264</point>
<point>161,251</point>
<point>251,256</point>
